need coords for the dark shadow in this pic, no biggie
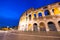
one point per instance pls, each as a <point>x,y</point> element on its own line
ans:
<point>29,17</point>
<point>35,27</point>
<point>42,26</point>
<point>51,26</point>
<point>59,23</point>
<point>39,14</point>
<point>46,12</point>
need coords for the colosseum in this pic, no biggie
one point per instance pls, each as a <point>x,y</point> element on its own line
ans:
<point>46,18</point>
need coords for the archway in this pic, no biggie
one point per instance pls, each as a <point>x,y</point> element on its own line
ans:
<point>30,17</point>
<point>42,26</point>
<point>51,26</point>
<point>46,12</point>
<point>59,23</point>
<point>39,14</point>
<point>35,27</point>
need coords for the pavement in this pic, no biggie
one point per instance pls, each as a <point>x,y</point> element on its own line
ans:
<point>19,35</point>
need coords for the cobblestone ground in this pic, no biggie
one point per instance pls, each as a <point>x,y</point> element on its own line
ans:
<point>17,35</point>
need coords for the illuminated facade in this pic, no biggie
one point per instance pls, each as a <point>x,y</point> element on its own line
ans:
<point>46,18</point>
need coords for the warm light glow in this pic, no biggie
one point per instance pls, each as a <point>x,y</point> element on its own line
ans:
<point>56,11</point>
<point>22,25</point>
<point>29,26</point>
<point>32,15</point>
<point>39,16</point>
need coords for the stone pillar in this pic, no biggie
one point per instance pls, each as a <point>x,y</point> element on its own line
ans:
<point>46,25</point>
<point>51,13</point>
<point>37,15</point>
<point>43,14</point>
<point>32,15</point>
<point>57,26</point>
<point>50,9</point>
<point>32,25</point>
<point>26,27</point>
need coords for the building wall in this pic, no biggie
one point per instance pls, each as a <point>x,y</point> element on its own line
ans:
<point>30,17</point>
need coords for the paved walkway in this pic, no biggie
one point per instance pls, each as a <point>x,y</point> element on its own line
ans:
<point>17,35</point>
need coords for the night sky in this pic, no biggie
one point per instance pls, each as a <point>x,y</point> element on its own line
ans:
<point>11,10</point>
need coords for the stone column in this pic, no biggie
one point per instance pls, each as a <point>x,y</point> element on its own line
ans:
<point>43,14</point>
<point>57,26</point>
<point>27,27</point>
<point>46,25</point>
<point>50,9</point>
<point>51,13</point>
<point>32,15</point>
<point>37,13</point>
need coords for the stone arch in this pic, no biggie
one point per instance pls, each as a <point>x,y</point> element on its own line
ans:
<point>42,26</point>
<point>39,14</point>
<point>52,26</point>
<point>59,23</point>
<point>47,12</point>
<point>35,27</point>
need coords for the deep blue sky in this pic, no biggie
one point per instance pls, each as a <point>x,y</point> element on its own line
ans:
<point>11,10</point>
